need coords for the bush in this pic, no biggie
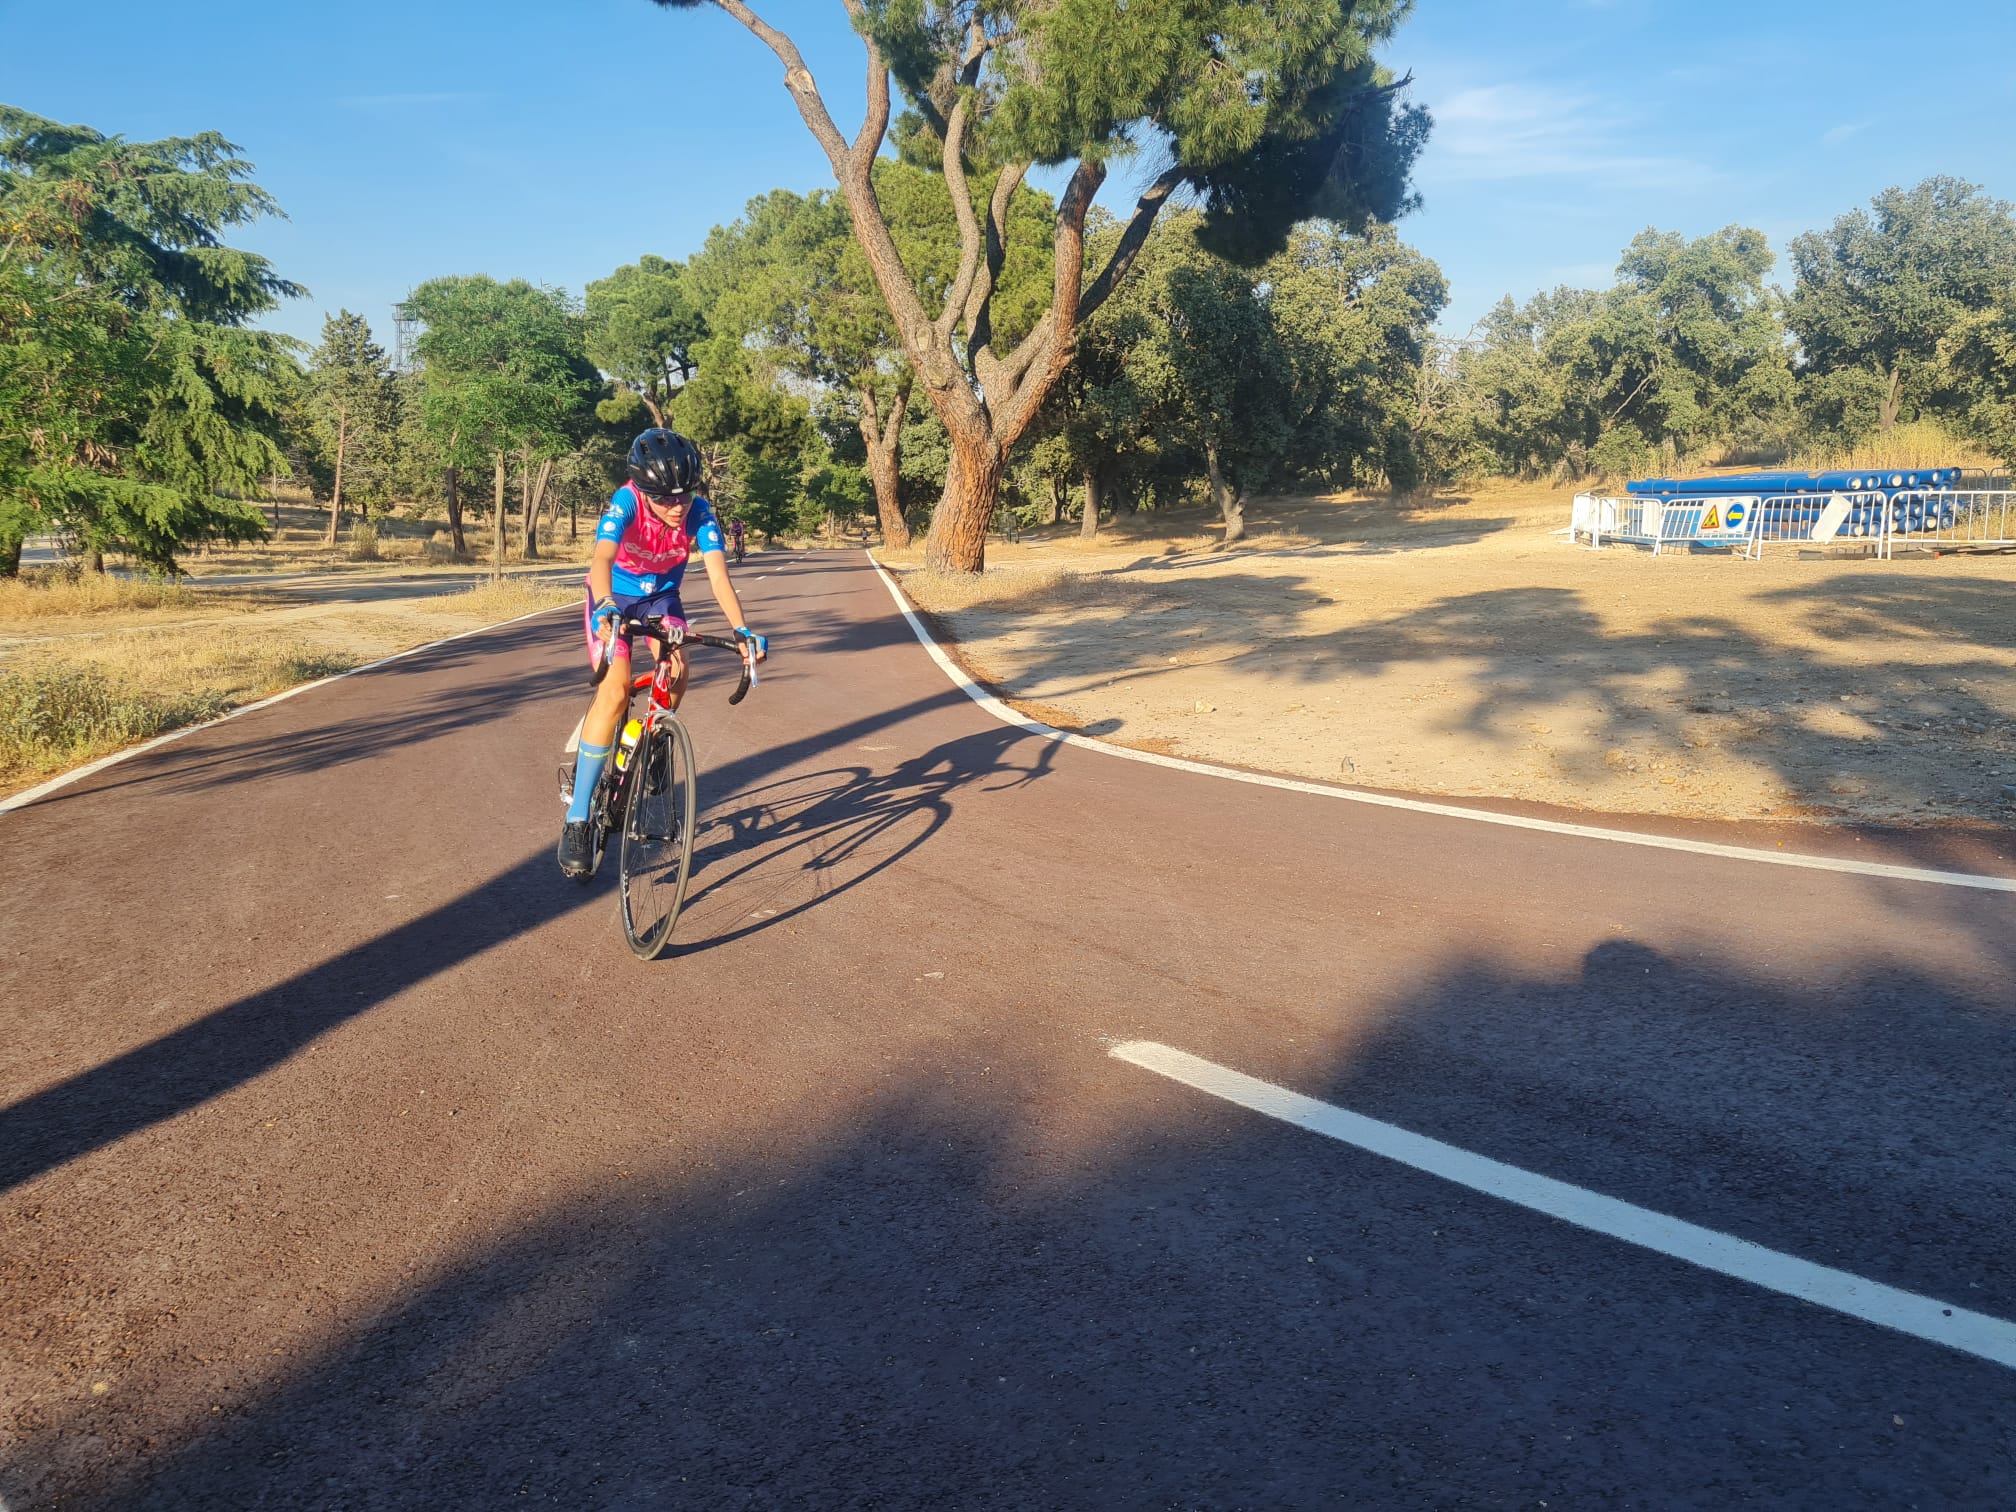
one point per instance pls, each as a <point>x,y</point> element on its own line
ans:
<point>363,542</point>
<point>59,712</point>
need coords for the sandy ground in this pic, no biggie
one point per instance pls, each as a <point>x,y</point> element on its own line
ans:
<point>1461,648</point>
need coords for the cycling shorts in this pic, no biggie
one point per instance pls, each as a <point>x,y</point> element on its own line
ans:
<point>663,604</point>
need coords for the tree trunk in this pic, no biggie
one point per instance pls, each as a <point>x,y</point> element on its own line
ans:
<point>451,482</point>
<point>497,518</point>
<point>10,553</point>
<point>958,538</point>
<point>1886,412</point>
<point>883,436</point>
<point>97,563</point>
<point>1056,500</point>
<point>1229,503</point>
<point>531,494</point>
<point>336,493</point>
<point>573,517</point>
<point>1088,523</point>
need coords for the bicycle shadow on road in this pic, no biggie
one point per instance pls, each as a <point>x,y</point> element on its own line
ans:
<point>769,853</point>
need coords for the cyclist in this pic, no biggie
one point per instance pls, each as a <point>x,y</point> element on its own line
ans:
<point>735,526</point>
<point>651,529</point>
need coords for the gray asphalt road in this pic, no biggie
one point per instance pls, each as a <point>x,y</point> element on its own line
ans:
<point>349,1160</point>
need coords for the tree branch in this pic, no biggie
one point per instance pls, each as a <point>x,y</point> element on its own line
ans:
<point>980,302</point>
<point>868,141</point>
<point>1131,241</point>
<point>798,79</point>
<point>854,171</point>
<point>1034,366</point>
<point>957,126</point>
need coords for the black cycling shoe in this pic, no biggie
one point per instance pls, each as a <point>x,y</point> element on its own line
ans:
<point>577,849</point>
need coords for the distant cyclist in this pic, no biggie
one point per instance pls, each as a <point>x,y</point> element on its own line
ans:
<point>735,527</point>
<point>652,527</point>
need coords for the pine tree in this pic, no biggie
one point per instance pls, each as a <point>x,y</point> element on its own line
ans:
<point>132,396</point>
<point>353,414</point>
<point>1268,111</point>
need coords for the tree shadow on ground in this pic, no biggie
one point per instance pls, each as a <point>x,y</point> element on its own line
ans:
<point>1072,1284</point>
<point>1930,729</point>
<point>1288,528</point>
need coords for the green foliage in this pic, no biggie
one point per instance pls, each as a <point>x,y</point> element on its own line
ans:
<point>1302,368</point>
<point>1274,111</point>
<point>1686,350</point>
<point>351,413</point>
<point>133,393</point>
<point>643,327</point>
<point>504,368</point>
<point>1881,291</point>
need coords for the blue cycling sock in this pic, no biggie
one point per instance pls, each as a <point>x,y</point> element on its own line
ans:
<point>588,763</point>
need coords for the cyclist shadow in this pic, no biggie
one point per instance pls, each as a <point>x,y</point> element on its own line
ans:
<point>767,854</point>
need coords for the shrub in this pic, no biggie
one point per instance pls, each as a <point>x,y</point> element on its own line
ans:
<point>363,542</point>
<point>58,712</point>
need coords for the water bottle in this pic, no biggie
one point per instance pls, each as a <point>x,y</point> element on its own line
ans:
<point>627,742</point>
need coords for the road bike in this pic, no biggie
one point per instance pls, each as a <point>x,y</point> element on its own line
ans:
<point>647,800</point>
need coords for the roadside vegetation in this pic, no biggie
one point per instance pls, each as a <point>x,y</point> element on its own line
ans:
<point>80,701</point>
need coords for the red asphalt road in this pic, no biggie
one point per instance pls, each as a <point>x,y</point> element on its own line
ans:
<point>348,1159</point>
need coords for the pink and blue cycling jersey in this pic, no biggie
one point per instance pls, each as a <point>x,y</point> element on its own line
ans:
<point>651,556</point>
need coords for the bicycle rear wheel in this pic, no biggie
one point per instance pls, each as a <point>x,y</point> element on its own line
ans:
<point>656,854</point>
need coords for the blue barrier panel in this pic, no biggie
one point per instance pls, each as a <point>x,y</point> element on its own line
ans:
<point>1781,483</point>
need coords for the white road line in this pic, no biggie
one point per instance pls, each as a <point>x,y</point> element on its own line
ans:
<point>1922,1317</point>
<point>78,774</point>
<point>1008,716</point>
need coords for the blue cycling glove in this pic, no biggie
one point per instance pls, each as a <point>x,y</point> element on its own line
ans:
<point>607,614</point>
<point>760,642</point>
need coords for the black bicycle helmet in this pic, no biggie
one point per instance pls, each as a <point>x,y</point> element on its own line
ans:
<point>664,462</point>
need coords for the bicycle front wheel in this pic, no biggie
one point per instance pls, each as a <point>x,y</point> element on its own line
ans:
<point>656,853</point>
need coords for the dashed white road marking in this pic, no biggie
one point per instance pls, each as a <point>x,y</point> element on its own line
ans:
<point>1008,716</point>
<point>1973,1333</point>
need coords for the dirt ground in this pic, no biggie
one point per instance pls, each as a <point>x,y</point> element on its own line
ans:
<point>1460,647</point>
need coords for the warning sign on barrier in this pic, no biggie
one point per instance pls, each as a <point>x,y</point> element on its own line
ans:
<point>1726,517</point>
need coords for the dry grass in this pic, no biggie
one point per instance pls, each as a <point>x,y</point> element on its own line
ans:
<point>492,602</point>
<point>1920,443</point>
<point>53,593</point>
<point>90,698</point>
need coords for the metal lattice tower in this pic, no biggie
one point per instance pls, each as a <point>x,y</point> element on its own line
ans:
<point>405,332</point>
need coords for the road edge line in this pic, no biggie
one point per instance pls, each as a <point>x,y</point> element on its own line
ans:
<point>1977,880</point>
<point>1981,1335</point>
<point>92,768</point>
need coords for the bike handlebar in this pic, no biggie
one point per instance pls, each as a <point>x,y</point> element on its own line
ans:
<point>669,639</point>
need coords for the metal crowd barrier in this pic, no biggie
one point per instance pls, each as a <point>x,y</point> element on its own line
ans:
<point>1943,519</point>
<point>1709,520</point>
<point>1946,519</point>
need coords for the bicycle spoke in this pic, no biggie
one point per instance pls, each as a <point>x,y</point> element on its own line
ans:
<point>655,857</point>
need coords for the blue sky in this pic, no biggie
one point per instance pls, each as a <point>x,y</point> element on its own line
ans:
<point>554,141</point>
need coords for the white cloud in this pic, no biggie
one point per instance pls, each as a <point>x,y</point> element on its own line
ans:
<point>1516,131</point>
<point>1836,135</point>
